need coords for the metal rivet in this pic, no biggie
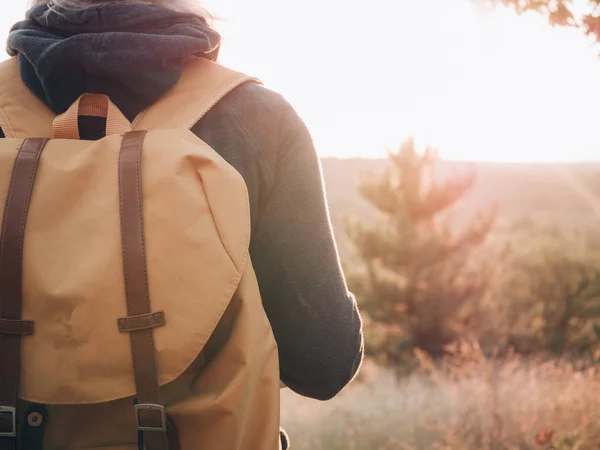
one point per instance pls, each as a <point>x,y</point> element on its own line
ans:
<point>35,419</point>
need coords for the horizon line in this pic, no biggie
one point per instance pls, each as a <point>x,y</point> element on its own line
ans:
<point>471,161</point>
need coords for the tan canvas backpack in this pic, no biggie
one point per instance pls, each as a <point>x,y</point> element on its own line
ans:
<point>130,315</point>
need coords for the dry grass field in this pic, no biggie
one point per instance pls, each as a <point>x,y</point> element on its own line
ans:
<point>468,403</point>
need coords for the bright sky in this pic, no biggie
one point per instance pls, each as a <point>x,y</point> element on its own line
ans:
<point>365,75</point>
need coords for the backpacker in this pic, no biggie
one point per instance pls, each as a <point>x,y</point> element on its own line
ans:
<point>130,315</point>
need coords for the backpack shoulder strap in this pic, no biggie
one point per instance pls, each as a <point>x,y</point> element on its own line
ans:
<point>202,84</point>
<point>22,114</point>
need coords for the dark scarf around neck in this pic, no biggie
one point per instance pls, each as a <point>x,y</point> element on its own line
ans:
<point>132,53</point>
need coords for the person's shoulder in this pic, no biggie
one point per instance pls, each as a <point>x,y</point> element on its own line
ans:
<point>263,116</point>
<point>255,96</point>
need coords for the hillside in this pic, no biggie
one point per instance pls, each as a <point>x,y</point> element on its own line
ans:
<point>567,193</point>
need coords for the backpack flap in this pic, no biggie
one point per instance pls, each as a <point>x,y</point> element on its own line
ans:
<point>197,231</point>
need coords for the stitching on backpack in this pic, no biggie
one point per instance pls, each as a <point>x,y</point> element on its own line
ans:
<point>8,195</point>
<point>123,252</point>
<point>31,181</point>
<point>138,119</point>
<point>247,230</point>
<point>138,176</point>
<point>6,126</point>
<point>154,320</point>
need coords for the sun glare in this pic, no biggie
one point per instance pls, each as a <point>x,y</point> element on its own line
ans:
<point>478,85</point>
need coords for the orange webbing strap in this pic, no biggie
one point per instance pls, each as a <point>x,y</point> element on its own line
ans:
<point>66,126</point>
<point>202,84</point>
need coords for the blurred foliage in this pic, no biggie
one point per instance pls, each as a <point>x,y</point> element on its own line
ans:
<point>421,284</point>
<point>529,284</point>
<point>512,300</point>
<point>560,12</point>
<point>550,298</point>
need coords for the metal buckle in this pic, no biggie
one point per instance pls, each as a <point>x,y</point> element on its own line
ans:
<point>150,407</point>
<point>13,413</point>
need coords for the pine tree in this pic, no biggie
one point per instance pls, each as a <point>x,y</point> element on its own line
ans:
<point>420,286</point>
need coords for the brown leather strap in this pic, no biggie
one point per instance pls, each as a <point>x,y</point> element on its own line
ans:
<point>142,322</point>
<point>19,327</point>
<point>150,414</point>
<point>11,291</point>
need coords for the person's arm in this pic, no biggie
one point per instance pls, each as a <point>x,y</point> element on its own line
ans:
<point>314,318</point>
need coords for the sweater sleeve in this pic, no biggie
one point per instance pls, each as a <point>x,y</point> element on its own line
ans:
<point>314,317</point>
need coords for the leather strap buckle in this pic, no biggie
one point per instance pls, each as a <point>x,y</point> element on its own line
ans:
<point>149,408</point>
<point>11,412</point>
